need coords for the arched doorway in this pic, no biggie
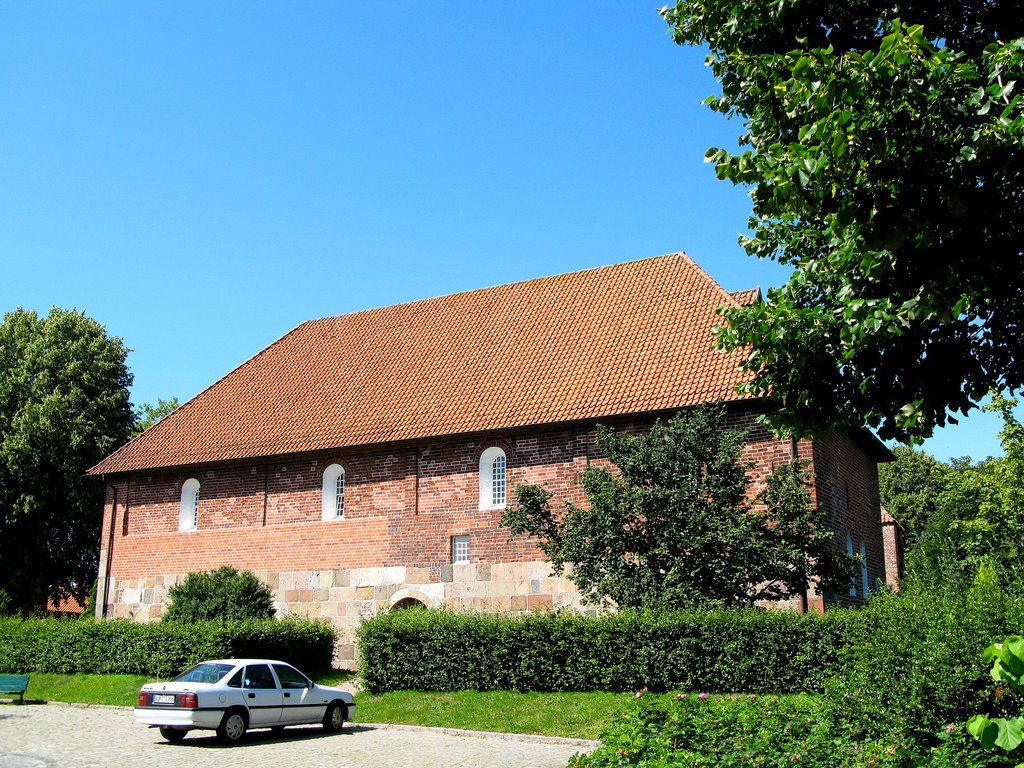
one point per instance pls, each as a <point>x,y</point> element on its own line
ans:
<point>407,603</point>
<point>410,598</point>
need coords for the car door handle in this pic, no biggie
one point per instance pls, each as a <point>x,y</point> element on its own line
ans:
<point>252,695</point>
<point>287,695</point>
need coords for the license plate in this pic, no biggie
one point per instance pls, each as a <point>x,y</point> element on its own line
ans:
<point>163,698</point>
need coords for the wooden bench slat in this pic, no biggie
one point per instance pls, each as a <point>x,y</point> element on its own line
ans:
<point>14,684</point>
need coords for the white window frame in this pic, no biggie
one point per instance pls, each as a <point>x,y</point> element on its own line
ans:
<point>849,551</point>
<point>188,511</point>
<point>489,459</point>
<point>333,476</point>
<point>864,567</point>
<point>460,549</point>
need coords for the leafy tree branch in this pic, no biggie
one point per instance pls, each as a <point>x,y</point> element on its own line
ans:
<point>673,523</point>
<point>884,151</point>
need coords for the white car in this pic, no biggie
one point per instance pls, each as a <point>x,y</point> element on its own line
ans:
<point>232,695</point>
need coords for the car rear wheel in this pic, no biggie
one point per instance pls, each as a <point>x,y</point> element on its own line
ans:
<point>173,735</point>
<point>232,728</point>
<point>335,717</point>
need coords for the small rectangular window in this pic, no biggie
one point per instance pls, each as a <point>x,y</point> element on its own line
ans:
<point>460,549</point>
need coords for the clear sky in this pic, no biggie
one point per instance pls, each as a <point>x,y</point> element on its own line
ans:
<point>203,177</point>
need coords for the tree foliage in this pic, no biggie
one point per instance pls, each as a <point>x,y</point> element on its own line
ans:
<point>910,488</point>
<point>979,515</point>
<point>674,524</point>
<point>146,415</point>
<point>63,407</point>
<point>1007,660</point>
<point>884,149</point>
<point>225,594</point>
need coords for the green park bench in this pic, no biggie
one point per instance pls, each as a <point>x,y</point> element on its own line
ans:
<point>11,684</point>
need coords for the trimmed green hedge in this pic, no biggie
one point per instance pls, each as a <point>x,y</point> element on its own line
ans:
<point>723,651</point>
<point>162,650</point>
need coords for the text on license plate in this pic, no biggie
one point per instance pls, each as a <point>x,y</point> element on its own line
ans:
<point>163,698</point>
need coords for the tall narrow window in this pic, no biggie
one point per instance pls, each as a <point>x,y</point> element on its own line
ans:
<point>493,483</point>
<point>188,513</point>
<point>498,481</point>
<point>333,507</point>
<point>460,549</point>
<point>849,551</point>
<point>864,568</point>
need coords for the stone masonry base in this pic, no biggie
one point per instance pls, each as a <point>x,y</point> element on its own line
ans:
<point>345,597</point>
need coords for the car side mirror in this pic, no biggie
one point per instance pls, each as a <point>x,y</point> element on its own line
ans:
<point>309,683</point>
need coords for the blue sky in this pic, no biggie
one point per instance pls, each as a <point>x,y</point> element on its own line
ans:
<point>203,177</point>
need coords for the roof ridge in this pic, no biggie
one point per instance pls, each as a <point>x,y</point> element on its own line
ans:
<point>516,283</point>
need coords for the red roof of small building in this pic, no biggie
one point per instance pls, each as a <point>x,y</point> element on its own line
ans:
<point>65,606</point>
<point>624,339</point>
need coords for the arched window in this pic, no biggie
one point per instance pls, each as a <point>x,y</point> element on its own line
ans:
<point>334,493</point>
<point>188,514</point>
<point>492,478</point>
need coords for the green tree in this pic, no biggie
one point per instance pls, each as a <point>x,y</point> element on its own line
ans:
<point>979,514</point>
<point>675,526</point>
<point>884,149</point>
<point>146,415</point>
<point>63,407</point>
<point>225,594</point>
<point>910,488</point>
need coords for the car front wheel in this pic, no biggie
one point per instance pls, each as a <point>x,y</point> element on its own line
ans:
<point>173,735</point>
<point>232,727</point>
<point>335,717</point>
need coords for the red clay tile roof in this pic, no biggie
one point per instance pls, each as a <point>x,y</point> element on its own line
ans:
<point>66,605</point>
<point>628,338</point>
<point>748,297</point>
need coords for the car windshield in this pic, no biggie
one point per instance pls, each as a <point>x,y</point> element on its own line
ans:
<point>204,673</point>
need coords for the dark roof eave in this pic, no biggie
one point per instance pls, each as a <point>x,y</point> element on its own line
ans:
<point>872,446</point>
<point>298,455</point>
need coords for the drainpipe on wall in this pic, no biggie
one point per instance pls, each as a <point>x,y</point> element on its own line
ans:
<point>416,485</point>
<point>101,607</point>
<point>266,485</point>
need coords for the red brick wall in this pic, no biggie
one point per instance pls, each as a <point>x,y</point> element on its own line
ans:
<point>404,504</point>
<point>846,479</point>
<point>892,536</point>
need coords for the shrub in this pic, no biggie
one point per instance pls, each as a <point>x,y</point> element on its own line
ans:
<point>915,664</point>
<point>161,650</point>
<point>910,674</point>
<point>222,595</point>
<point>717,651</point>
<point>733,733</point>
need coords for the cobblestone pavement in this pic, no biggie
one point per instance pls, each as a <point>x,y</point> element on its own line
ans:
<point>69,736</point>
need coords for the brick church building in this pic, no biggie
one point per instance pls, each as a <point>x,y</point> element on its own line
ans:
<point>362,462</point>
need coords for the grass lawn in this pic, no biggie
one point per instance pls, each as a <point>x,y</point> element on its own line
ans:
<point>575,715</point>
<point>121,690</point>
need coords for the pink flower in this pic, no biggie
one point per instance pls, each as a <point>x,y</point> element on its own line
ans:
<point>681,696</point>
<point>950,728</point>
<point>702,696</point>
<point>641,692</point>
